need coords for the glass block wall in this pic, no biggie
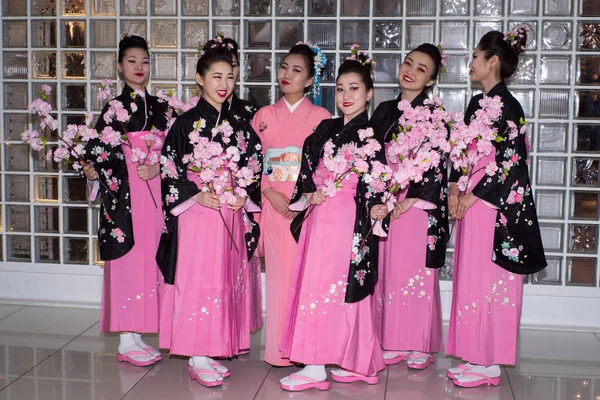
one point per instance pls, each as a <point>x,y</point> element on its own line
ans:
<point>71,45</point>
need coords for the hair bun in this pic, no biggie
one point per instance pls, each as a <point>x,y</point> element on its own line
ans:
<point>517,40</point>
<point>362,57</point>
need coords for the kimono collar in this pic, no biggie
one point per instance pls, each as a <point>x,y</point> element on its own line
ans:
<point>497,90</point>
<point>127,90</point>
<point>293,107</point>
<point>208,111</point>
<point>234,99</point>
<point>417,101</point>
<point>360,120</point>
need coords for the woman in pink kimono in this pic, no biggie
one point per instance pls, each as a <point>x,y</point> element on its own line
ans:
<point>498,237</point>
<point>282,128</point>
<point>329,318</point>
<point>416,244</point>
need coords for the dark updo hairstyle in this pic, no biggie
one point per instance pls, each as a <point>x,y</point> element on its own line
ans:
<point>132,42</point>
<point>212,56</point>
<point>359,67</point>
<point>309,57</point>
<point>434,53</point>
<point>493,44</point>
<point>229,43</point>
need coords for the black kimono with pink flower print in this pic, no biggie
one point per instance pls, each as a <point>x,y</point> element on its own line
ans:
<point>177,188</point>
<point>517,242</point>
<point>115,233</point>
<point>363,271</point>
<point>433,188</point>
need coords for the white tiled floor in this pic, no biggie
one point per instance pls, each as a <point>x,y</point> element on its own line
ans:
<point>51,353</point>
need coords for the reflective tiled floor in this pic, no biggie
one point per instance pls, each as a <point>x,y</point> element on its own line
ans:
<point>58,354</point>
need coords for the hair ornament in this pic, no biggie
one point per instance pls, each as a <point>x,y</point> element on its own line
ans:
<point>319,65</point>
<point>362,57</point>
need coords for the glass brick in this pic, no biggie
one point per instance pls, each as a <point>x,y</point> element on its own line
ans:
<point>51,98</point>
<point>258,7</point>
<point>327,99</point>
<point>457,69</point>
<point>584,205</point>
<point>45,188</point>
<point>97,104</point>
<point>229,28</point>
<point>454,98</point>
<point>557,7</point>
<point>387,8</point>
<point>354,32</point>
<point>385,94</point>
<point>44,64</point>
<point>483,27</point>
<point>14,124</point>
<point>18,248</point>
<point>259,95</point>
<point>189,60</point>
<point>73,33</point>
<point>415,8</point>
<point>455,35</point>
<point>531,43</point>
<point>588,138</point>
<point>589,8</point>
<point>585,172</point>
<point>163,7</point>
<point>133,7</point>
<point>289,33</point>
<point>552,274</point>
<point>551,171</point>
<point>587,104</point>
<point>74,189</point>
<point>387,67</point>
<point>18,218</point>
<point>319,8</point>
<point>104,7</point>
<point>291,8</point>
<point>189,92</point>
<point>328,73</point>
<point>133,27</point>
<point>588,70</point>
<point>387,35</point>
<point>228,8</point>
<point>46,219</point>
<point>589,36</point>
<point>15,96</point>
<point>257,67</point>
<point>73,65</point>
<point>17,157</point>
<point>47,249</point>
<point>355,8</point>
<point>554,103</point>
<point>523,7</point>
<point>155,88</point>
<point>525,97</point>
<point>164,66</point>
<point>555,69</point>
<point>14,8</point>
<point>447,271</point>
<point>526,70</point>
<point>552,137</point>
<point>323,33</point>
<point>15,64</point>
<point>489,7</point>
<point>455,7</point>
<point>556,35</point>
<point>76,250</point>
<point>44,8</point>
<point>73,96</point>
<point>104,33</point>
<point>552,236</point>
<point>104,65</point>
<point>72,7</point>
<point>419,32</point>
<point>258,34</point>
<point>583,238</point>
<point>195,8</point>
<point>43,33</point>
<point>164,34</point>
<point>550,204</point>
<point>96,253</point>
<point>14,33</point>
<point>76,220</point>
<point>41,164</point>
<point>193,33</point>
<point>17,188</point>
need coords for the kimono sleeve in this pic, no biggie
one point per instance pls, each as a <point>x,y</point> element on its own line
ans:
<point>256,125</point>
<point>175,185</point>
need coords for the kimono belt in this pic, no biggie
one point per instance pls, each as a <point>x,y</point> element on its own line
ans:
<point>283,165</point>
